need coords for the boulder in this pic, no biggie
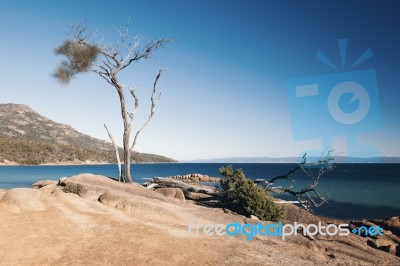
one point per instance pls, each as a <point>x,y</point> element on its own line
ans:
<point>254,217</point>
<point>111,199</point>
<point>197,196</point>
<point>43,183</point>
<point>383,244</point>
<point>393,224</point>
<point>18,200</point>
<point>191,187</point>
<point>386,245</point>
<point>173,193</point>
<point>196,178</point>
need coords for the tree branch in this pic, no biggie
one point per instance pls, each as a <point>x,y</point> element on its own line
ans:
<point>306,195</point>
<point>136,99</point>
<point>152,110</point>
<point>145,52</point>
<point>116,153</point>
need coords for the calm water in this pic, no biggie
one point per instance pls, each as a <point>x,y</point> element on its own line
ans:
<point>357,190</point>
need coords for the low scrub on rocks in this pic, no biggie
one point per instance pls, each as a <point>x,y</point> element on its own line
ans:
<point>241,195</point>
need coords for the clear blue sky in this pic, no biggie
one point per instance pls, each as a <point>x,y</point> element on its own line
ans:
<point>224,88</point>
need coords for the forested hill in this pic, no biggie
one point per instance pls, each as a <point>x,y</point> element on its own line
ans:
<point>27,137</point>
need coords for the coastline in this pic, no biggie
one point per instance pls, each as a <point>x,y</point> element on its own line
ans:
<point>9,163</point>
<point>85,218</point>
<point>348,201</point>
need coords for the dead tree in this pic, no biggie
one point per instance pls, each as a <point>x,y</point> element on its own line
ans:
<point>85,54</point>
<point>308,196</point>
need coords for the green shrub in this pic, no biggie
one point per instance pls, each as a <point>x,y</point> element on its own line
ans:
<point>241,195</point>
<point>74,188</point>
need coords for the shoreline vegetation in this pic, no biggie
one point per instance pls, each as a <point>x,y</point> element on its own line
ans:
<point>10,163</point>
<point>84,219</point>
<point>28,138</point>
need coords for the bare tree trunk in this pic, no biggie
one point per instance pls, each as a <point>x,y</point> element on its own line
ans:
<point>127,133</point>
<point>116,153</point>
<point>85,55</point>
<point>127,157</point>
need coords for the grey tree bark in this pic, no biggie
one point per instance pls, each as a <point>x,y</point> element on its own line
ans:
<point>308,196</point>
<point>116,153</point>
<point>85,54</point>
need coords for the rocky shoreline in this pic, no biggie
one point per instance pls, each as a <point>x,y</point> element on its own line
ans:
<point>184,186</point>
<point>196,178</point>
<point>389,241</point>
<point>90,219</point>
<point>7,163</point>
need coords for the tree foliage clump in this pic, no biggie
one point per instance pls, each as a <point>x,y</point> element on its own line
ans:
<point>80,58</point>
<point>241,195</point>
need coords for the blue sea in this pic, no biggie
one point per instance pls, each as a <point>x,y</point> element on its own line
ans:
<point>370,191</point>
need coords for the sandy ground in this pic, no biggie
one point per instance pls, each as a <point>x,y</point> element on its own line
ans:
<point>109,223</point>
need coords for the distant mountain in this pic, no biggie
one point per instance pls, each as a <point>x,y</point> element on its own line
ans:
<point>248,160</point>
<point>27,137</point>
<point>337,159</point>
